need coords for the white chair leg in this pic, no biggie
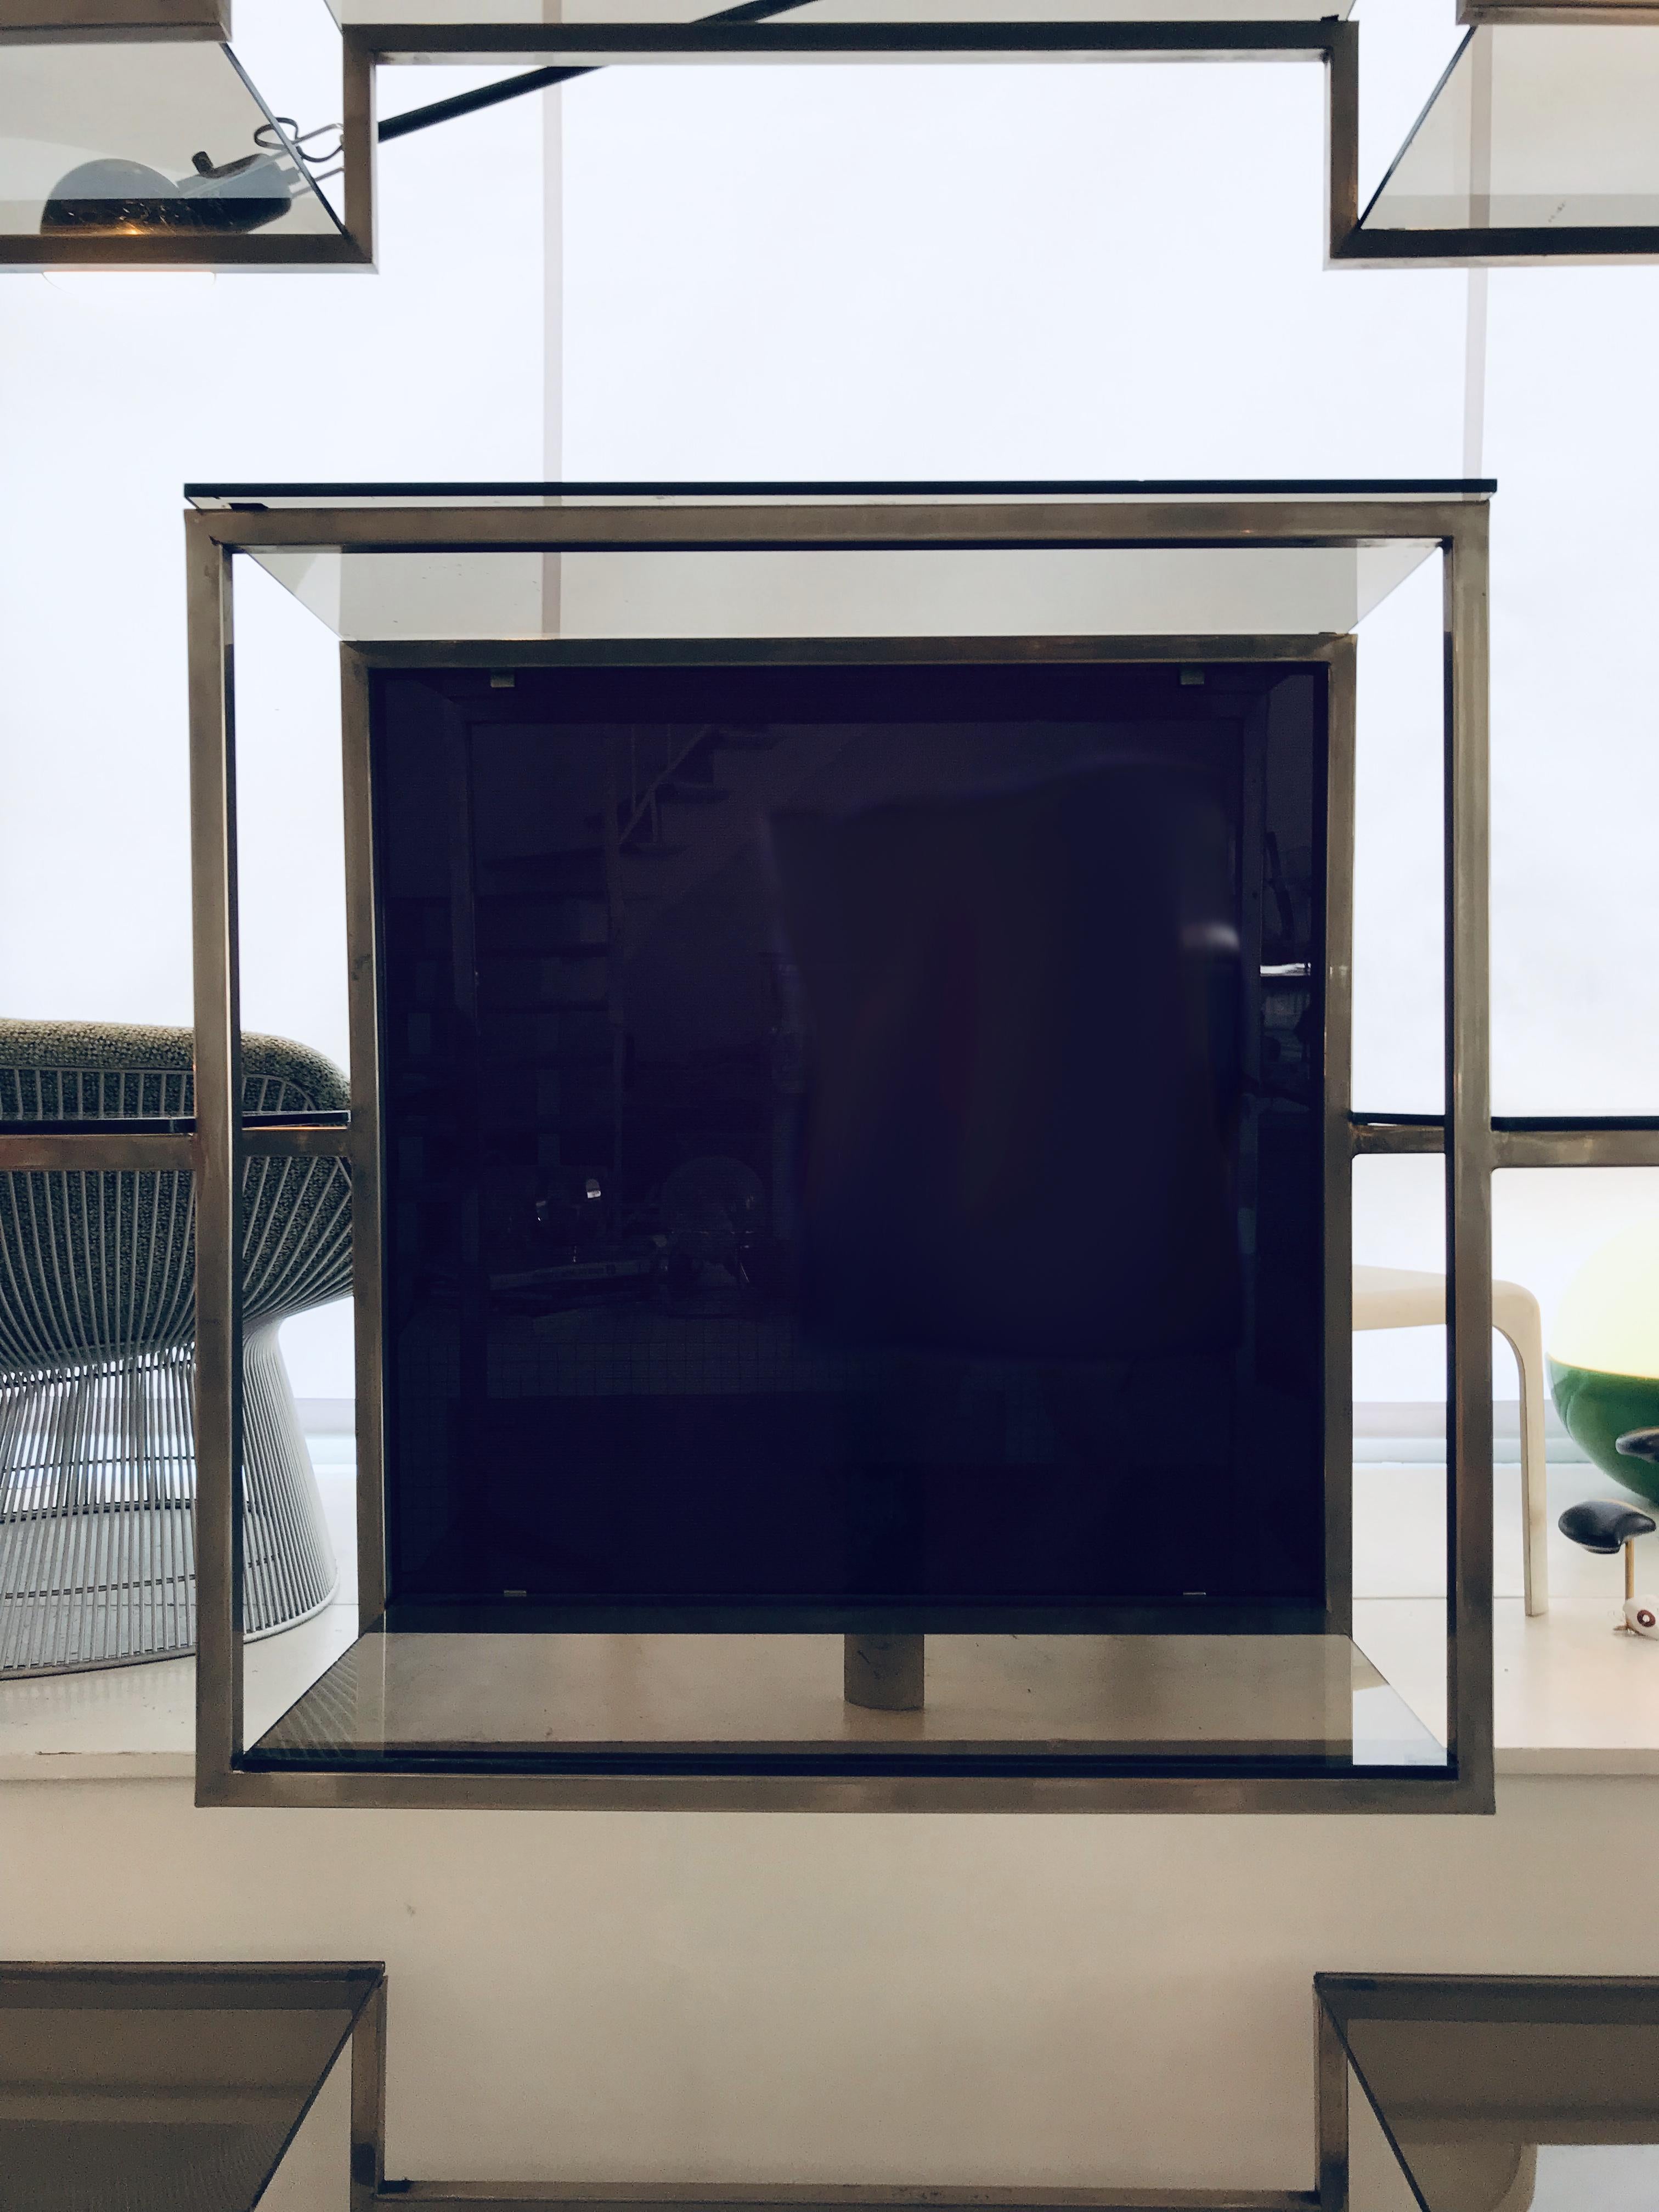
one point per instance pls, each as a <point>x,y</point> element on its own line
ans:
<point>1522,1328</point>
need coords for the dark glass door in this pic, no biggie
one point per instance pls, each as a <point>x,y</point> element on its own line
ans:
<point>853,1143</point>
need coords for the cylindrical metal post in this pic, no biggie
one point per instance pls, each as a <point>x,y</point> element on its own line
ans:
<point>888,1673</point>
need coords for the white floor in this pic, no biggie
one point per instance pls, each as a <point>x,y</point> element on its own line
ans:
<point>1570,1694</point>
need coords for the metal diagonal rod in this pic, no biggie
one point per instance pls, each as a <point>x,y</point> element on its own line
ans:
<point>468,103</point>
<point>514,88</point>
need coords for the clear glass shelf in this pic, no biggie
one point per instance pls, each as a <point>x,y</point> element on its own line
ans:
<point>457,593</point>
<point>1295,1704</point>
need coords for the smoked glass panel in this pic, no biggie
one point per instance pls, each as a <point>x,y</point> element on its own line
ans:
<point>1514,2095</point>
<point>818,1127</point>
<point>1537,127</point>
<point>162,2090</point>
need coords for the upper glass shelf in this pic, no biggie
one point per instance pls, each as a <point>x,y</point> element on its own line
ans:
<point>156,2088</point>
<point>417,583</point>
<point>276,497</point>
<point>1541,129</point>
<point>1558,11</point>
<point>1174,591</point>
<point>1508,2093</point>
<point>116,19</point>
<point>521,14</point>
<point>108,146</point>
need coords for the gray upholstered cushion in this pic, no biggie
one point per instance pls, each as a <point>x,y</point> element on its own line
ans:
<point>64,1070</point>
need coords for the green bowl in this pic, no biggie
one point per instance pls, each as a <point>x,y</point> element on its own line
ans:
<point>1604,1352</point>
<point>1597,1409</point>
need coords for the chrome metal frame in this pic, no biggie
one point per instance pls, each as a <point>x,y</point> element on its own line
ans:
<point>807,2196</point>
<point>1217,518</point>
<point>118,20</point>
<point>1558,11</point>
<point>1332,41</point>
<point>1330,2111</point>
<point>1349,238</point>
<point>54,22</point>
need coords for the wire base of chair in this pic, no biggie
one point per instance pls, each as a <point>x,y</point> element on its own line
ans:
<point>97,1510</point>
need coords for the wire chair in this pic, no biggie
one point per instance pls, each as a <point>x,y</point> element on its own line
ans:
<point>98,1356</point>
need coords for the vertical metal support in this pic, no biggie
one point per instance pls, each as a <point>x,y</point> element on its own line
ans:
<point>1330,2111</point>
<point>1341,710</point>
<point>364,1014</point>
<point>473,1385</point>
<point>1243,1532</point>
<point>886,1673</point>
<point>1468,1158</point>
<point>1244,1536</point>
<point>1341,135</point>
<point>218,1161</point>
<point>368,2101</point>
<point>617,946</point>
<point>552,116</point>
<point>1480,59</point>
<point>360,144</point>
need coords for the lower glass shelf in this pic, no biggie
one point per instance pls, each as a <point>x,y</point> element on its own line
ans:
<point>605,1701</point>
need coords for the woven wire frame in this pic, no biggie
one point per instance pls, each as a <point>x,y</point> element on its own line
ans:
<point>97,1374</point>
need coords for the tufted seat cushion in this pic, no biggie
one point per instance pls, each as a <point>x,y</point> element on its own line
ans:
<point>69,1071</point>
<point>104,1263</point>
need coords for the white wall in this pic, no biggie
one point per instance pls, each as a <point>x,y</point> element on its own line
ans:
<point>791,1997</point>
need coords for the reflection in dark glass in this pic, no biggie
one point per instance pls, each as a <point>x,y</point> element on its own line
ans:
<point>126,197</point>
<point>852,1146</point>
<point>975,1176</point>
<point>126,139</point>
